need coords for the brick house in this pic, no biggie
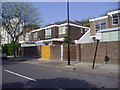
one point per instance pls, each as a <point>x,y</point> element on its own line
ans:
<point>55,33</point>
<point>106,28</point>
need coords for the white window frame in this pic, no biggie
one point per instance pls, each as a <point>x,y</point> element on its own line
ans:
<point>62,30</point>
<point>27,37</point>
<point>35,35</point>
<point>116,18</point>
<point>81,30</point>
<point>100,25</point>
<point>48,33</point>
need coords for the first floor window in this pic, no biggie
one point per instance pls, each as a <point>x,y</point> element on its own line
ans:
<point>100,25</point>
<point>81,30</point>
<point>26,37</point>
<point>116,19</point>
<point>35,36</point>
<point>48,33</point>
<point>62,30</point>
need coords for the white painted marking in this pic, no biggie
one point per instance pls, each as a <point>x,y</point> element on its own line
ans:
<point>20,75</point>
<point>75,73</point>
<point>84,75</point>
<point>58,70</point>
<point>101,77</point>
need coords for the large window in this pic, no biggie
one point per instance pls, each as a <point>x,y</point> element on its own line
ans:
<point>35,35</point>
<point>48,33</point>
<point>62,30</point>
<point>116,19</point>
<point>100,25</point>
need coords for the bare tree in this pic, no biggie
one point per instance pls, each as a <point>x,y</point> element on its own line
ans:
<point>17,16</point>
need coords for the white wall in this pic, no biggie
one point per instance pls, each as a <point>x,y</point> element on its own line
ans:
<point>85,38</point>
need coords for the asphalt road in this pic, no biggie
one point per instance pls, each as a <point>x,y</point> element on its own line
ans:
<point>24,75</point>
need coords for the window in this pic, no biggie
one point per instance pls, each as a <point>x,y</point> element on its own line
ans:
<point>48,33</point>
<point>116,19</point>
<point>81,30</point>
<point>62,30</point>
<point>35,36</point>
<point>100,25</point>
<point>27,37</point>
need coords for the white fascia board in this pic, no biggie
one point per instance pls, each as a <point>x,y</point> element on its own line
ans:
<point>28,45</point>
<point>51,26</point>
<point>58,39</point>
<point>43,28</point>
<point>60,26</point>
<point>54,39</point>
<point>79,26</point>
<point>114,12</point>
<point>36,30</point>
<point>109,29</point>
<point>71,24</point>
<point>98,18</point>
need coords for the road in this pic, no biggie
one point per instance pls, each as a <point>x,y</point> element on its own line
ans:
<point>24,75</point>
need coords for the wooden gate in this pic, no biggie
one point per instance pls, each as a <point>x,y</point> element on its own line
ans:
<point>45,50</point>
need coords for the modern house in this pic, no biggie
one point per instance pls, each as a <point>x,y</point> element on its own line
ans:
<point>55,33</point>
<point>106,28</point>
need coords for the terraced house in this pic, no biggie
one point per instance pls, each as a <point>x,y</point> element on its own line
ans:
<point>106,28</point>
<point>54,34</point>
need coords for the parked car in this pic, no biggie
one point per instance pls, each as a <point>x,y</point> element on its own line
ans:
<point>3,55</point>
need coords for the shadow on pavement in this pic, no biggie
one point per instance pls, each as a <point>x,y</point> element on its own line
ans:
<point>12,60</point>
<point>51,83</point>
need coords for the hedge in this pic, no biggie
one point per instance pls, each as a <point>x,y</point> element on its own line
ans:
<point>8,48</point>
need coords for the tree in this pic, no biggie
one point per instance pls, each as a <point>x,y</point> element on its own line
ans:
<point>105,14</point>
<point>16,17</point>
<point>86,22</point>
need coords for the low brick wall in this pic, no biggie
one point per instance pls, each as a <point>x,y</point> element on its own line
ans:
<point>55,52</point>
<point>73,52</point>
<point>109,49</point>
<point>81,52</point>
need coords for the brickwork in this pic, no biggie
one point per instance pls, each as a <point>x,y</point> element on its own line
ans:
<point>72,52</point>
<point>55,52</point>
<point>82,52</point>
<point>104,48</point>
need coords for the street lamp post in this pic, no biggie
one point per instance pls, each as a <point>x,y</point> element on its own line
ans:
<point>95,54</point>
<point>68,32</point>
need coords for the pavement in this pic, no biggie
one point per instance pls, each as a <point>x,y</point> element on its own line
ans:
<point>75,65</point>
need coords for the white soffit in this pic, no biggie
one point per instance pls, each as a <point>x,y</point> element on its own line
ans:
<point>109,29</point>
<point>114,12</point>
<point>60,26</point>
<point>98,18</point>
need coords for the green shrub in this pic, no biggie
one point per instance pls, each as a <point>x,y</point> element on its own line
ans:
<point>8,48</point>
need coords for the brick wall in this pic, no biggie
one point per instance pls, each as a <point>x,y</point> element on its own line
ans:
<point>82,52</point>
<point>72,52</point>
<point>57,43</point>
<point>104,48</point>
<point>55,52</point>
<point>75,33</point>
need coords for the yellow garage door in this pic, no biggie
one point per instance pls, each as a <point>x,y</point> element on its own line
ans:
<point>45,52</point>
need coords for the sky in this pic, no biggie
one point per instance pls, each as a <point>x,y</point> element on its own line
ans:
<point>57,11</point>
